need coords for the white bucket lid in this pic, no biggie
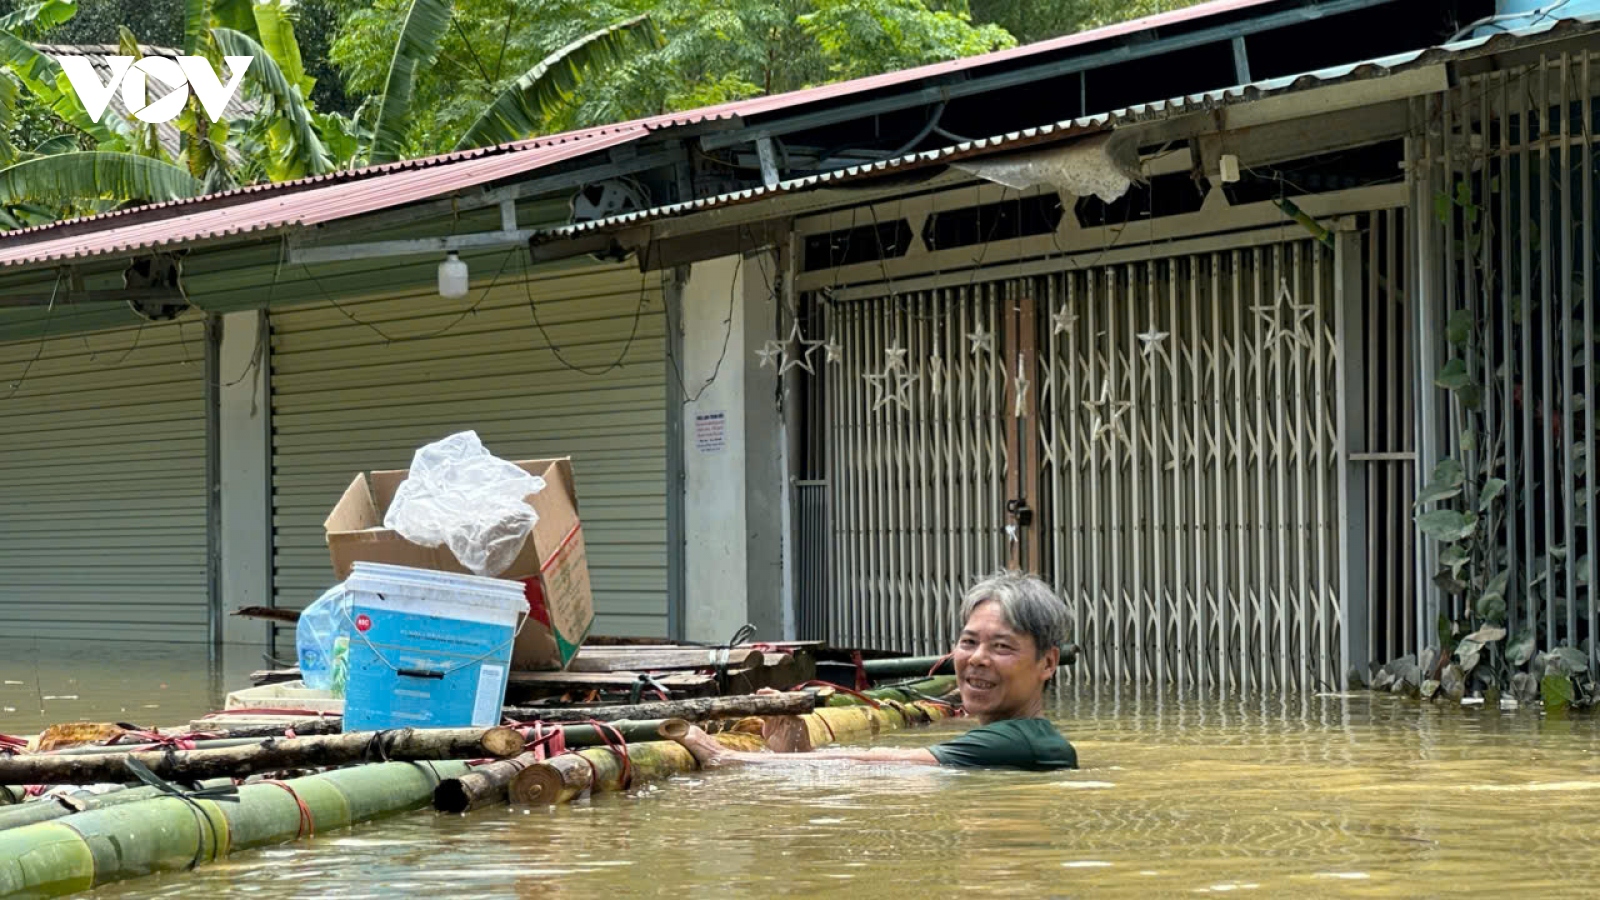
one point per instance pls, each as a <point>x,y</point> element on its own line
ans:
<point>467,590</point>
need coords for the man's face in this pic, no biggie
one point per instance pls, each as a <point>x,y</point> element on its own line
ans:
<point>1000,672</point>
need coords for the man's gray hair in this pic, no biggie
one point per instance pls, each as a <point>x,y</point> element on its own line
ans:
<point>1027,605</point>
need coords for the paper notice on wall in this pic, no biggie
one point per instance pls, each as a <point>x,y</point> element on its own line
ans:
<point>710,432</point>
<point>491,693</point>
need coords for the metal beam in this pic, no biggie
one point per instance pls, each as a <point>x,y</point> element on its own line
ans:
<point>524,190</point>
<point>769,162</point>
<point>1031,74</point>
<point>299,254</point>
<point>1354,601</point>
<point>85,298</point>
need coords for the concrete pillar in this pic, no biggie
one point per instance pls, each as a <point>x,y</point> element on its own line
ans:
<point>733,451</point>
<point>245,466</point>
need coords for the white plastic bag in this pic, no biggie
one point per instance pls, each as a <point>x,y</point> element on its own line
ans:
<point>459,495</point>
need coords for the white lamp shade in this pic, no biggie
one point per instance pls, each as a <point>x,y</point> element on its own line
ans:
<point>452,277</point>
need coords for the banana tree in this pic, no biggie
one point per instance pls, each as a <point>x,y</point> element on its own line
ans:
<point>521,107</point>
<point>124,161</point>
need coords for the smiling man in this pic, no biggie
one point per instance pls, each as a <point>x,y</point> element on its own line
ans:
<point>1009,647</point>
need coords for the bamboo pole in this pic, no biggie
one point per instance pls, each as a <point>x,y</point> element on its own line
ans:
<point>490,784</point>
<point>935,687</point>
<point>164,834</point>
<point>50,809</point>
<point>695,710</point>
<point>270,755</point>
<point>569,776</point>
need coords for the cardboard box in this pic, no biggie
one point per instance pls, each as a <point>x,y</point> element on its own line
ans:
<point>553,564</point>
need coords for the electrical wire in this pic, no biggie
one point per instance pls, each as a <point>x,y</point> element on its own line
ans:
<point>1537,16</point>
<point>391,339</point>
<point>533,309</point>
<point>44,336</point>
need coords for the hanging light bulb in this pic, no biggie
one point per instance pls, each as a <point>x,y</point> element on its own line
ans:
<point>452,277</point>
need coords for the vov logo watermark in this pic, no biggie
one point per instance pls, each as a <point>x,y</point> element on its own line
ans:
<point>178,76</point>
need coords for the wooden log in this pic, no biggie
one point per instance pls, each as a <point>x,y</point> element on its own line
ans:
<point>630,659</point>
<point>222,728</point>
<point>269,613</point>
<point>696,710</point>
<point>547,683</point>
<point>489,784</point>
<point>270,755</point>
<point>139,746</point>
<point>274,676</point>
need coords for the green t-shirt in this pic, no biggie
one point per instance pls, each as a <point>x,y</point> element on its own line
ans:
<point>1032,744</point>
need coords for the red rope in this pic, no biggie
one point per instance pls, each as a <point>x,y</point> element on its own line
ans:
<point>838,687</point>
<point>308,824</point>
<point>156,739</point>
<point>618,745</point>
<point>541,743</point>
<point>941,661</point>
<point>862,681</point>
<point>832,738</point>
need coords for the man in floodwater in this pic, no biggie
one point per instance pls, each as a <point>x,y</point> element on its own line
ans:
<point>1012,629</point>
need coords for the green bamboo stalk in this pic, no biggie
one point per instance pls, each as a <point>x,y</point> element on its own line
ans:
<point>88,849</point>
<point>35,811</point>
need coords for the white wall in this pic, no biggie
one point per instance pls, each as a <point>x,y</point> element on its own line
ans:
<point>714,487</point>
<point>245,465</point>
<point>733,486</point>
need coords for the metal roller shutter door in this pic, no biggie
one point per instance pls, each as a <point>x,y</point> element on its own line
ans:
<point>103,485</point>
<point>346,398</point>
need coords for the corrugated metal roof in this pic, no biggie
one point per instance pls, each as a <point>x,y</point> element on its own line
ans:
<point>751,107</point>
<point>1144,112</point>
<point>309,207</point>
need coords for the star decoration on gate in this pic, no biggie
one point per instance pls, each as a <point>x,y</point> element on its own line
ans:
<point>1022,390</point>
<point>1063,321</point>
<point>894,357</point>
<point>981,339</point>
<point>1107,413</point>
<point>806,347</point>
<point>771,354</point>
<point>1298,314</point>
<point>891,386</point>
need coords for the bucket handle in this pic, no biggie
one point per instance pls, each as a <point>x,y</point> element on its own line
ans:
<point>522,619</point>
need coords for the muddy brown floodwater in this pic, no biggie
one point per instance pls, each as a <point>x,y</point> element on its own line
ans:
<point>1353,796</point>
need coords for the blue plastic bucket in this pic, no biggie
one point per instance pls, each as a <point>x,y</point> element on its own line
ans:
<point>428,649</point>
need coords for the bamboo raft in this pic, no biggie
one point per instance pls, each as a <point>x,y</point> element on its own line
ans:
<point>173,799</point>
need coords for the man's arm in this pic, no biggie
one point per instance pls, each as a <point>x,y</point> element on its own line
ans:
<point>707,751</point>
<point>880,755</point>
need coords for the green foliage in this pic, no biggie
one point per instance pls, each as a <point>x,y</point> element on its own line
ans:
<point>523,107</point>
<point>89,175</point>
<point>414,50</point>
<point>865,37</point>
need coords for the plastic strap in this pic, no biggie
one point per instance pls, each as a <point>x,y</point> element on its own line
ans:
<point>203,822</point>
